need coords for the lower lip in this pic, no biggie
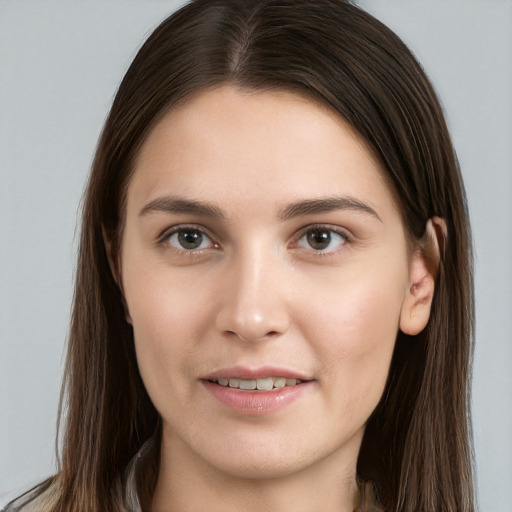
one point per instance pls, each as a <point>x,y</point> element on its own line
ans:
<point>256,403</point>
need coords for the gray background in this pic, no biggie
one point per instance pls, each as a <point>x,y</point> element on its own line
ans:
<point>60,64</point>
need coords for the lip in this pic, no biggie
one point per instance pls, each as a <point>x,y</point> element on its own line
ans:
<point>244,372</point>
<point>256,403</point>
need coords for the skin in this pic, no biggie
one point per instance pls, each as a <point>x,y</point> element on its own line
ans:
<point>255,292</point>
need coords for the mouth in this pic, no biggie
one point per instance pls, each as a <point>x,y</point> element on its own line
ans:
<point>262,384</point>
<point>257,392</point>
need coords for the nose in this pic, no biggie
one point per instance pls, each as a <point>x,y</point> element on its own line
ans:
<point>253,304</point>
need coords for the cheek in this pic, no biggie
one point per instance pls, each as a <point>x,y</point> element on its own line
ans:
<point>163,303</point>
<point>168,318</point>
<point>354,332</point>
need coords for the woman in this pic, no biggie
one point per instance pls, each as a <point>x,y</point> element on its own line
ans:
<point>273,301</point>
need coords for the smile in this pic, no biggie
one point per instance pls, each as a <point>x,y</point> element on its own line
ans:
<point>257,396</point>
<point>264,384</point>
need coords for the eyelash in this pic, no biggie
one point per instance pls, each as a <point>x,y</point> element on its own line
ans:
<point>164,238</point>
<point>344,238</point>
<point>342,234</point>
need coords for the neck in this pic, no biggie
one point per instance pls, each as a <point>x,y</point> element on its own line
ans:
<point>186,482</point>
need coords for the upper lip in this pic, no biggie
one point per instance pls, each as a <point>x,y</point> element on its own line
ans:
<point>244,372</point>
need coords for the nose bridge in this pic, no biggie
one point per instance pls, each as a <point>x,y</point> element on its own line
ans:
<point>253,305</point>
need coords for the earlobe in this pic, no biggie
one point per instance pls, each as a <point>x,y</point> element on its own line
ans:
<point>424,265</point>
<point>418,297</point>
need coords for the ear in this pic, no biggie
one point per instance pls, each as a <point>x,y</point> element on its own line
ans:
<point>424,265</point>
<point>113,262</point>
<point>115,268</point>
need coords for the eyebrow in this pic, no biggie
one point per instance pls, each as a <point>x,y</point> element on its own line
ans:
<point>179,205</point>
<point>171,204</point>
<point>325,205</point>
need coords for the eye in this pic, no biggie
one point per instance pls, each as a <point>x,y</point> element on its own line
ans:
<point>322,240</point>
<point>188,239</point>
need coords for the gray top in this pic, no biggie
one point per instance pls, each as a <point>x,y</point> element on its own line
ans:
<point>127,494</point>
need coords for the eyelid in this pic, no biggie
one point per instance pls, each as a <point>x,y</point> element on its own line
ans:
<point>338,230</point>
<point>164,236</point>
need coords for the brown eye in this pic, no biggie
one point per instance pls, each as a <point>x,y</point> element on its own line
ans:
<point>322,239</point>
<point>189,239</point>
<point>319,239</point>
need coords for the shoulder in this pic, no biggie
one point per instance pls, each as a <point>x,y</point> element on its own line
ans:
<point>40,498</point>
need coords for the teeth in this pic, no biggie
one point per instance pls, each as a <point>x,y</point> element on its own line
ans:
<point>279,382</point>
<point>265,384</point>
<point>247,384</point>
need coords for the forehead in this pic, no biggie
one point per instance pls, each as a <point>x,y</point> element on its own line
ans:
<point>260,146</point>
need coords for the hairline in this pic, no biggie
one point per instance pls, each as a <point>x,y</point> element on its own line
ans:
<point>253,89</point>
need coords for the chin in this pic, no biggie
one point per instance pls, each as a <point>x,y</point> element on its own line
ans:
<point>267,457</point>
<point>261,467</point>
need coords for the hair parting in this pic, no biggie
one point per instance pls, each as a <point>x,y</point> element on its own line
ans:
<point>417,444</point>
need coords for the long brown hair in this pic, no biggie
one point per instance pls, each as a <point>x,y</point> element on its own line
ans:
<point>417,444</point>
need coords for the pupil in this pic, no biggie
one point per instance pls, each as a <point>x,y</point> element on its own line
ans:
<point>319,239</point>
<point>190,239</point>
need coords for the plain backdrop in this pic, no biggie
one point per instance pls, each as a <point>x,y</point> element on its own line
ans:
<point>60,65</point>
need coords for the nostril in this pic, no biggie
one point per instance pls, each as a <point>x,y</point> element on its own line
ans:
<point>248,336</point>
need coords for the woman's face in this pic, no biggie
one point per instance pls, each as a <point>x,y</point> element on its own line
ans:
<point>262,244</point>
